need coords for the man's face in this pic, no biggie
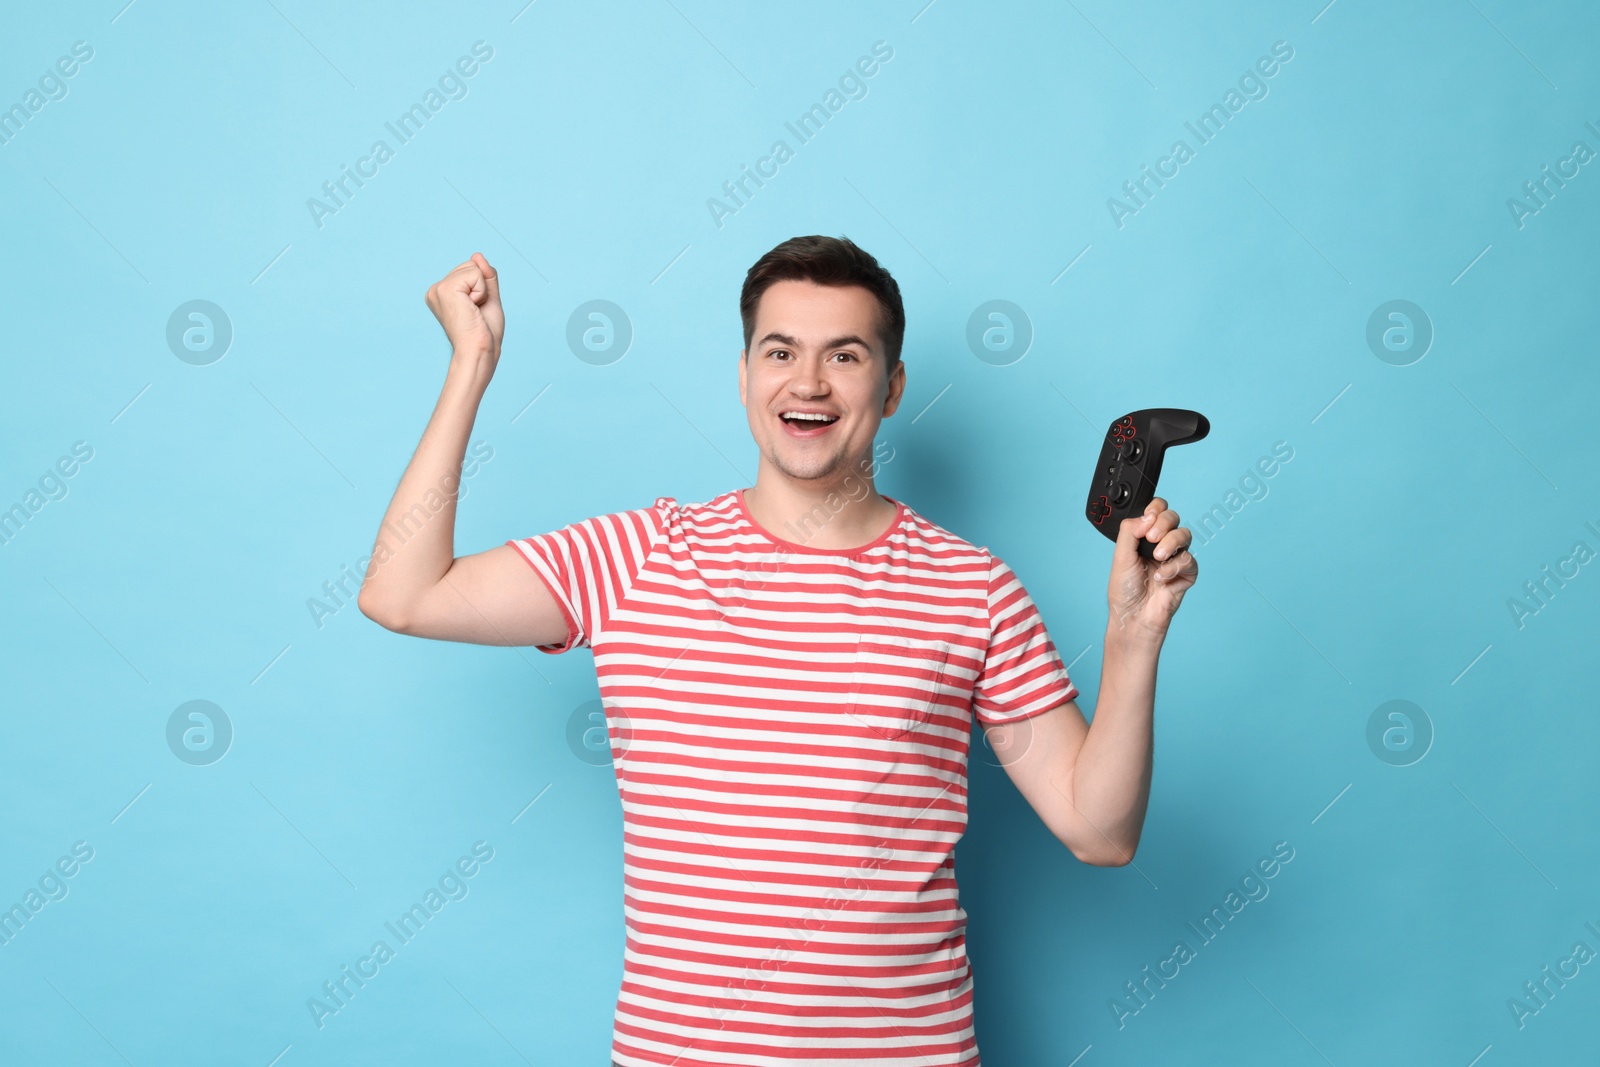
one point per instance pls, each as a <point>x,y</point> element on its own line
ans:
<point>816,348</point>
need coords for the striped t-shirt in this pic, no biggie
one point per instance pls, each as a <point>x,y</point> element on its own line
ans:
<point>789,729</point>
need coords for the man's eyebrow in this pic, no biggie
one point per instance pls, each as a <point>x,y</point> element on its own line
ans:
<point>837,342</point>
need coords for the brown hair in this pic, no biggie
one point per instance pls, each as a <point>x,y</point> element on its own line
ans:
<point>827,261</point>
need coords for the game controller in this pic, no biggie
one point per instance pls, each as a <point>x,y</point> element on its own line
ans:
<point>1130,462</point>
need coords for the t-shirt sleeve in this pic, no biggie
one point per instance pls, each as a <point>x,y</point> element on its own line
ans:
<point>1022,672</point>
<point>590,566</point>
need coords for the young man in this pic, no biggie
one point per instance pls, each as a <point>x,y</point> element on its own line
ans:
<point>789,673</point>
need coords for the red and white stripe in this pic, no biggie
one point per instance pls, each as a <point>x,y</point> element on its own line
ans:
<point>789,728</point>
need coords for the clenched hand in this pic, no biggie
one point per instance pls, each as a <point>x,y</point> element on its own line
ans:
<point>467,304</point>
<point>1144,593</point>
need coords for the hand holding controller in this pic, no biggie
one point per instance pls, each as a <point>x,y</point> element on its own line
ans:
<point>1125,475</point>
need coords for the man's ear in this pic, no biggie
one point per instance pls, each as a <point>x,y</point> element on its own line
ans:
<point>897,388</point>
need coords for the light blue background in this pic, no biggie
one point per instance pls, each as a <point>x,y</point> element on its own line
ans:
<point>1379,565</point>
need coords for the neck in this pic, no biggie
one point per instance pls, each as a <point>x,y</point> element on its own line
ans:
<point>844,513</point>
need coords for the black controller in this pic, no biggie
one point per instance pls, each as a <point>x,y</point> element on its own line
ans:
<point>1130,462</point>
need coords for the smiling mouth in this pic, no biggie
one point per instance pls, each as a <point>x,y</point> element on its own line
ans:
<point>802,426</point>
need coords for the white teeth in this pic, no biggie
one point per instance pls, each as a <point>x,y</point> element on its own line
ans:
<point>815,416</point>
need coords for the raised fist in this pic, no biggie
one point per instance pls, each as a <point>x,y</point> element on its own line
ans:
<point>467,304</point>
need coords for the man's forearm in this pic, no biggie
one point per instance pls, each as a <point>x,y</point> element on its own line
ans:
<point>416,541</point>
<point>1111,779</point>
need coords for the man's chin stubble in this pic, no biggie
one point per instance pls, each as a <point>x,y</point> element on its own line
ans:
<point>833,464</point>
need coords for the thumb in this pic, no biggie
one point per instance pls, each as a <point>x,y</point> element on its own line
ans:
<point>491,277</point>
<point>1129,532</point>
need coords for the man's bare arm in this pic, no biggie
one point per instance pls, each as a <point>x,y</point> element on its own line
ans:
<point>1090,784</point>
<point>418,587</point>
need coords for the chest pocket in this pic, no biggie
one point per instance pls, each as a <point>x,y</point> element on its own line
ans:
<point>896,680</point>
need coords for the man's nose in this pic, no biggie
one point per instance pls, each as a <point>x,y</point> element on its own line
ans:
<point>809,379</point>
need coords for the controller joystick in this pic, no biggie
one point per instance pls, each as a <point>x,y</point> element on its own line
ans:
<point>1125,475</point>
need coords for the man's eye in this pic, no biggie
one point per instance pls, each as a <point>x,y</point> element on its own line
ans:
<point>850,355</point>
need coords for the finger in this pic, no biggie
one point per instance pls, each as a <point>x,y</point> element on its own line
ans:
<point>469,280</point>
<point>458,270</point>
<point>1165,521</point>
<point>1180,564</point>
<point>453,281</point>
<point>491,277</point>
<point>1129,531</point>
<point>1173,542</point>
